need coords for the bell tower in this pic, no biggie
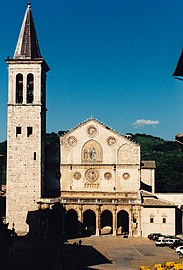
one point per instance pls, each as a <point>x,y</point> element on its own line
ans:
<point>26,126</point>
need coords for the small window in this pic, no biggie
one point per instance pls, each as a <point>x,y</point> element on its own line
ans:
<point>34,155</point>
<point>164,220</point>
<point>18,131</point>
<point>29,131</point>
<point>151,220</point>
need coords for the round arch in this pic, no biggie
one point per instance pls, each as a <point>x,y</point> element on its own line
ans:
<point>89,222</point>
<point>71,223</point>
<point>122,222</point>
<point>106,222</point>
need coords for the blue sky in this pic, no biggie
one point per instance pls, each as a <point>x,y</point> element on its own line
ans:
<point>109,59</point>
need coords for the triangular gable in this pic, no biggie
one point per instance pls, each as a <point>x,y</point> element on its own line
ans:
<point>91,120</point>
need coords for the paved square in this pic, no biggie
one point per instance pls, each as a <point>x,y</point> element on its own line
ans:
<point>109,252</point>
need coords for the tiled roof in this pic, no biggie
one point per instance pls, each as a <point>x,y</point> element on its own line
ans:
<point>151,199</point>
<point>156,202</point>
<point>145,193</point>
<point>148,164</point>
<point>27,45</point>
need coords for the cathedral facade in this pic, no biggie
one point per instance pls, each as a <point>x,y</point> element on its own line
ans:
<point>101,172</point>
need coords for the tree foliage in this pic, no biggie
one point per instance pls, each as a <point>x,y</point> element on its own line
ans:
<point>169,161</point>
<point>167,154</point>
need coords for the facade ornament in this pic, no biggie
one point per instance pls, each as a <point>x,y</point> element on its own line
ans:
<point>107,175</point>
<point>92,131</point>
<point>91,175</point>
<point>72,141</point>
<point>77,175</point>
<point>111,141</point>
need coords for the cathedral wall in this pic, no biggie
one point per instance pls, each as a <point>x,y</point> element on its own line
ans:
<point>95,158</point>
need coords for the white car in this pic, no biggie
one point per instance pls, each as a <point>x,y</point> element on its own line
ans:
<point>179,249</point>
<point>165,241</point>
<point>159,243</point>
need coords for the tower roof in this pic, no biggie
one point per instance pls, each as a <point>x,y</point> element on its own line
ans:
<point>27,45</point>
<point>179,68</point>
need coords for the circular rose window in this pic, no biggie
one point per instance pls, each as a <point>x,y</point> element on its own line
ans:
<point>92,131</point>
<point>126,175</point>
<point>91,175</point>
<point>111,141</point>
<point>77,175</point>
<point>72,141</point>
<point>107,175</point>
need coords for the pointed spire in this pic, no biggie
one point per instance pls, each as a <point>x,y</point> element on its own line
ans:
<point>179,68</point>
<point>27,45</point>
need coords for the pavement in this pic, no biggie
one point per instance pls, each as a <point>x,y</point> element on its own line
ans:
<point>99,253</point>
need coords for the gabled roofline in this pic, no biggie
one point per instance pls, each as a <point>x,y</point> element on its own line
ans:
<point>100,123</point>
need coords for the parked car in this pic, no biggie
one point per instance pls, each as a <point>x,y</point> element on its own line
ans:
<point>154,236</point>
<point>159,243</point>
<point>165,241</point>
<point>176,244</point>
<point>168,241</point>
<point>178,249</point>
<point>181,255</point>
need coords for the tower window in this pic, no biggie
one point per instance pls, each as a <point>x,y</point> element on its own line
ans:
<point>19,88</point>
<point>29,131</point>
<point>30,88</point>
<point>18,131</point>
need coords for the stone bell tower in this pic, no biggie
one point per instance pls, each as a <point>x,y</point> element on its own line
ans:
<point>26,126</point>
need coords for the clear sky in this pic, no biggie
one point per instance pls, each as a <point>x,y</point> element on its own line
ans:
<point>109,59</point>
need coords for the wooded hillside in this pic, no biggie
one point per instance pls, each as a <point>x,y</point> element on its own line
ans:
<point>167,154</point>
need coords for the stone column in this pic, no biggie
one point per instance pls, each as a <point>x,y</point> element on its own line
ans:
<point>139,221</point>
<point>114,222</point>
<point>98,221</point>
<point>80,220</point>
<point>131,222</point>
<point>63,219</point>
<point>24,88</point>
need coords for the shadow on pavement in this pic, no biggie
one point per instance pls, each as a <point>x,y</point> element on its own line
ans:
<point>36,253</point>
<point>82,257</point>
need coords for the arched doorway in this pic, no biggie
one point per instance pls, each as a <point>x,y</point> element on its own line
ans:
<point>71,223</point>
<point>106,222</point>
<point>122,222</point>
<point>89,222</point>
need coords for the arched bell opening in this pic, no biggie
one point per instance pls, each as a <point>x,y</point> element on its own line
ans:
<point>30,88</point>
<point>19,88</point>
